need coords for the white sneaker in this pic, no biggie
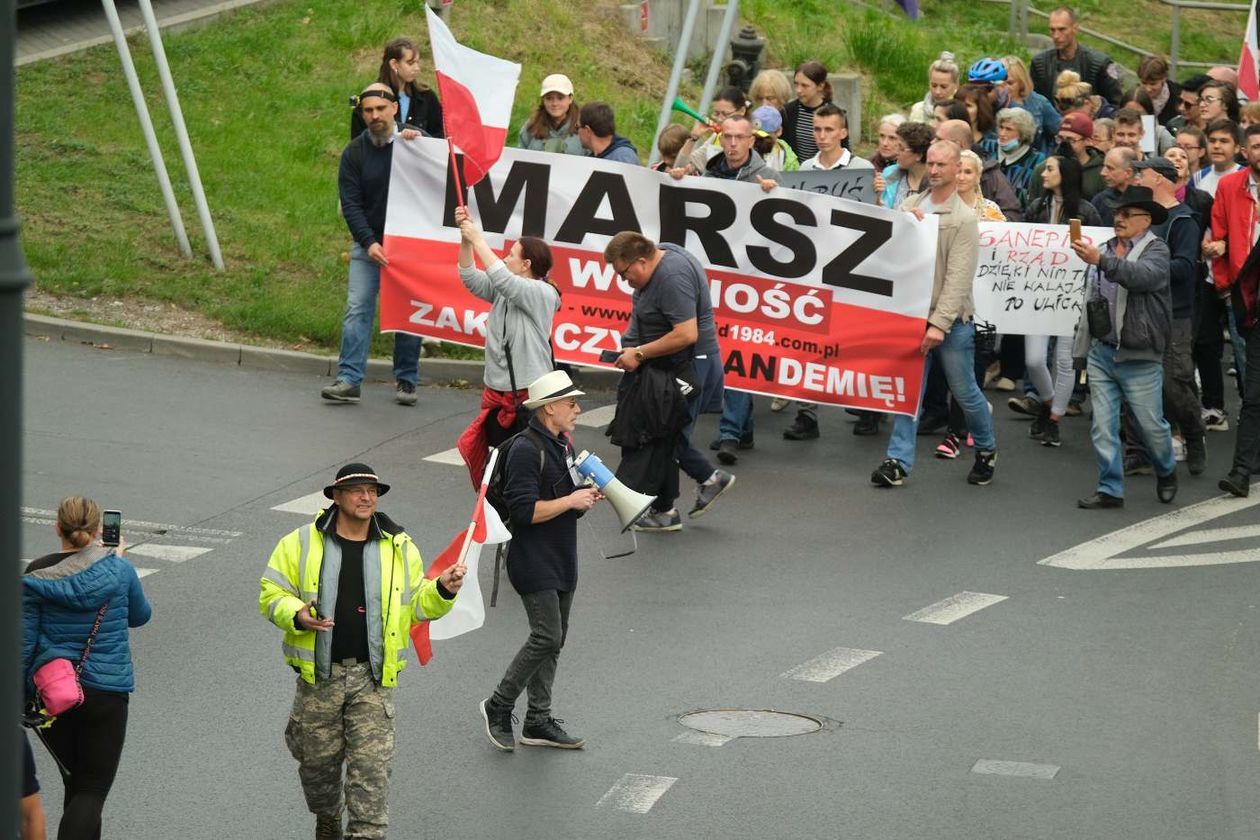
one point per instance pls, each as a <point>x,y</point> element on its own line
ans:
<point>1214,420</point>
<point>1179,449</point>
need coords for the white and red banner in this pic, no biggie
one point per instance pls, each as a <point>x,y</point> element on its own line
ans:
<point>469,610</point>
<point>477,91</point>
<point>815,297</point>
<point>1030,281</point>
<point>1249,59</point>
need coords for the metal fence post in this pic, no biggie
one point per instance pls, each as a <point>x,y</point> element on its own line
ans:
<point>1174,56</point>
<point>719,53</point>
<point>14,278</point>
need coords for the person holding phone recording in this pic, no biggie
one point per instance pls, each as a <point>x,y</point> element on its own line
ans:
<point>79,604</point>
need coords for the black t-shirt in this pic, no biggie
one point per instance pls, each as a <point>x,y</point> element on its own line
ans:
<point>349,639</point>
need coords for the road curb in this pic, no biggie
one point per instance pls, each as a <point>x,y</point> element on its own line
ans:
<point>432,371</point>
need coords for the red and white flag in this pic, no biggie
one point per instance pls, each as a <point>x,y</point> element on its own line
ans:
<point>477,91</point>
<point>1249,61</point>
<point>469,611</point>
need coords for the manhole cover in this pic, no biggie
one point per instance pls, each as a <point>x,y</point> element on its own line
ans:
<point>750,723</point>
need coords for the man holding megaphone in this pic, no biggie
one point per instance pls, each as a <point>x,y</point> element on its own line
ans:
<point>544,502</point>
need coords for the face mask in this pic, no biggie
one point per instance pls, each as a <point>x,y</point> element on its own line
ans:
<point>1011,145</point>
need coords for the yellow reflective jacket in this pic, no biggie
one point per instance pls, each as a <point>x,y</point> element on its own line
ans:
<point>305,566</point>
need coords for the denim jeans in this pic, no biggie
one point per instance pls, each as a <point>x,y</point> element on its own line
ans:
<point>956,355</point>
<point>737,416</point>
<point>707,396</point>
<point>1247,444</point>
<point>533,670</point>
<point>1140,385</point>
<point>356,327</point>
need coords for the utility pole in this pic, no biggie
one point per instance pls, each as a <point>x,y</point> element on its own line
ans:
<point>14,278</point>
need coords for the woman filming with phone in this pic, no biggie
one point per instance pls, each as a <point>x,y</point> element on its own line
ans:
<point>78,605</point>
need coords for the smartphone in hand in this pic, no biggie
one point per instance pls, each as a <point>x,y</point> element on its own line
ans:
<point>111,528</point>
<point>609,356</point>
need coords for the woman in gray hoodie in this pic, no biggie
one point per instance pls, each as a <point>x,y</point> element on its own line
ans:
<point>523,303</point>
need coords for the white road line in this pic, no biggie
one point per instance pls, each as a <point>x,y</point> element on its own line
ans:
<point>831,664</point>
<point>308,505</point>
<point>170,553</point>
<point>702,739</point>
<point>1210,535</point>
<point>141,525</point>
<point>955,607</point>
<point>141,572</point>
<point>1101,553</point>
<point>450,457</point>
<point>636,793</point>
<point>597,417</point>
<point>1024,769</point>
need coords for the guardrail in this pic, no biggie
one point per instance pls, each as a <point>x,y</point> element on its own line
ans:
<point>1177,5</point>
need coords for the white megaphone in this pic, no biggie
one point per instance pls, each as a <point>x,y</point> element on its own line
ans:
<point>629,504</point>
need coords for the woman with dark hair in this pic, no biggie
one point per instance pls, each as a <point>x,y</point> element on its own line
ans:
<point>951,110</point>
<point>553,125</point>
<point>983,127</point>
<point>812,92</point>
<point>1061,202</point>
<point>909,174</point>
<point>79,604</point>
<point>418,105</point>
<point>523,303</point>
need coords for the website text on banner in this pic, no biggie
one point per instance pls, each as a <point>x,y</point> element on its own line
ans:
<point>1030,281</point>
<point>815,297</point>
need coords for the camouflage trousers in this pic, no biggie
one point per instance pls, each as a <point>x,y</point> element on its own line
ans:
<point>346,720</point>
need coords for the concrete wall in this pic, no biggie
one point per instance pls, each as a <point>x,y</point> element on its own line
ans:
<point>665,23</point>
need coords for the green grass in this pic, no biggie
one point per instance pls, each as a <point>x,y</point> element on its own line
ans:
<point>264,93</point>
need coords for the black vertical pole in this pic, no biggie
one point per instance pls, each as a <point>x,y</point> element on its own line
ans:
<point>14,279</point>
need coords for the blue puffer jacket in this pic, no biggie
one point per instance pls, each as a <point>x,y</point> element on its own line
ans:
<point>59,606</point>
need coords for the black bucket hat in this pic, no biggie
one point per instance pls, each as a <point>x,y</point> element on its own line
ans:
<point>354,474</point>
<point>1143,199</point>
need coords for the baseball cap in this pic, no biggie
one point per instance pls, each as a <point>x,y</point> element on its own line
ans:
<point>1078,123</point>
<point>556,83</point>
<point>1160,165</point>
<point>767,118</point>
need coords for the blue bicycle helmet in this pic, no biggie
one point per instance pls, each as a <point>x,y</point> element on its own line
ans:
<point>987,71</point>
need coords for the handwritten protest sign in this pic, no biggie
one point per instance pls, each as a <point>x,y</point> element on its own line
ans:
<point>1030,281</point>
<point>853,184</point>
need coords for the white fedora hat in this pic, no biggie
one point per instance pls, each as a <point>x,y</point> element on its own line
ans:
<point>551,387</point>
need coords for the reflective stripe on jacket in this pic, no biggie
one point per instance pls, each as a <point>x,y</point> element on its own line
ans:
<point>292,580</point>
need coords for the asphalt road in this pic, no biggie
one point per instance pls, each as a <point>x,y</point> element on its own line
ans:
<point>1125,701</point>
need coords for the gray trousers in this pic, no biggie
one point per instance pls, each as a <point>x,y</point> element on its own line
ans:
<point>533,671</point>
<point>346,720</point>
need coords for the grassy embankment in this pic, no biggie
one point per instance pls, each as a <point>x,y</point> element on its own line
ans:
<point>264,95</point>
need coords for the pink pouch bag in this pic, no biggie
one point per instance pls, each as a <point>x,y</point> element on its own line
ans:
<point>57,681</point>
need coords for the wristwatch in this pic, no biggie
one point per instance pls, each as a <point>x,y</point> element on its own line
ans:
<point>638,355</point>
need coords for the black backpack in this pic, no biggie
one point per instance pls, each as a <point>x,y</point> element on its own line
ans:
<point>498,478</point>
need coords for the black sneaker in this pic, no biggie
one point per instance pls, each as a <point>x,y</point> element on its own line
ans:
<point>549,734</point>
<point>707,494</point>
<point>867,424</point>
<point>405,393</point>
<point>982,471</point>
<point>1039,423</point>
<point>1166,487</point>
<point>498,726</point>
<point>341,391</point>
<point>1236,484</point>
<point>803,427</point>
<point>726,453</point>
<point>1027,406</point>
<point>889,474</point>
<point>744,443</point>
<point>1137,465</point>
<point>1050,435</point>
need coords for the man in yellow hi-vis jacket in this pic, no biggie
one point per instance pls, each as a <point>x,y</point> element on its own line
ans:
<point>345,591</point>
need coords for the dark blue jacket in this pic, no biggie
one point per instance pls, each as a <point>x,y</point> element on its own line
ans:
<point>59,606</point>
<point>541,556</point>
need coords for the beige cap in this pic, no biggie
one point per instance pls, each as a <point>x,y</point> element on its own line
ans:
<point>556,83</point>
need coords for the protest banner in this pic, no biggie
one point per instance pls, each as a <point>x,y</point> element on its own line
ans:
<point>853,184</point>
<point>1030,281</point>
<point>814,297</point>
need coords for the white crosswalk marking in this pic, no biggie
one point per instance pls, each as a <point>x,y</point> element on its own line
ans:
<point>831,664</point>
<point>954,607</point>
<point>636,793</point>
<point>450,457</point>
<point>170,553</point>
<point>142,572</point>
<point>1028,770</point>
<point>308,505</point>
<point>1211,535</point>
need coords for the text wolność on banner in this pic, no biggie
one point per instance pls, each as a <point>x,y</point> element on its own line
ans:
<point>814,297</point>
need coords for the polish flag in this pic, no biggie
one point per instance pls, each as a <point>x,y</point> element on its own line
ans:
<point>477,92</point>
<point>1249,61</point>
<point>469,611</point>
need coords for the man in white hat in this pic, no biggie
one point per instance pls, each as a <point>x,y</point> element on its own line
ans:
<point>544,503</point>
